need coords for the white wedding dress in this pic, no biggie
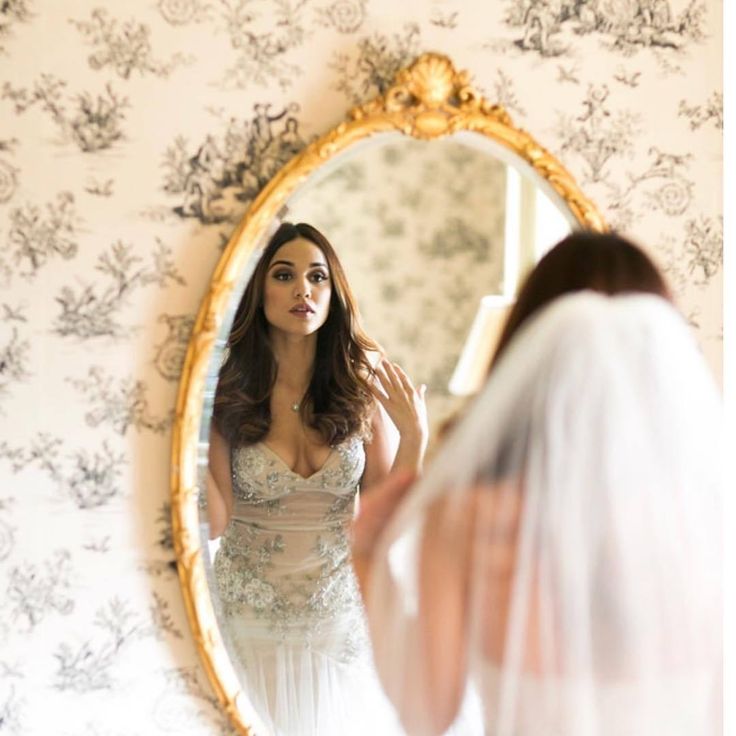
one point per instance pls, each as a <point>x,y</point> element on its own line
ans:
<point>560,559</point>
<point>294,619</point>
<point>675,705</point>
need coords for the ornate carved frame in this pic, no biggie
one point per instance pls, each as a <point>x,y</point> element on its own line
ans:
<point>428,100</point>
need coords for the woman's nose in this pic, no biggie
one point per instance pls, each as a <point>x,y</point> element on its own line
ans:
<point>302,289</point>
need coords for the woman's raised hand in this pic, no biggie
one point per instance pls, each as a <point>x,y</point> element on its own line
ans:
<point>404,404</point>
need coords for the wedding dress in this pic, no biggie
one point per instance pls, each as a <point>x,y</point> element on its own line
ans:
<point>564,544</point>
<point>293,616</point>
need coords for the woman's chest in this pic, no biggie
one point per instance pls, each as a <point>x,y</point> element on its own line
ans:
<point>258,471</point>
<point>300,455</point>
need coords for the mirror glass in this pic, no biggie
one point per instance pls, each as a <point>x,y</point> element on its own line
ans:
<point>424,230</point>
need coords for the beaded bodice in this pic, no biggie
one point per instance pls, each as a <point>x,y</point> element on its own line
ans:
<point>284,557</point>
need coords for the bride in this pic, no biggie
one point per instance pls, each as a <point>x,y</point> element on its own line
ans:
<point>297,430</point>
<point>557,570</point>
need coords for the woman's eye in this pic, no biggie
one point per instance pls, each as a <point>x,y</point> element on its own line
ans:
<point>282,276</point>
<point>319,276</point>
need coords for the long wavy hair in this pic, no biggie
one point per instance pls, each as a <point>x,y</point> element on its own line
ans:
<point>603,262</point>
<point>338,402</point>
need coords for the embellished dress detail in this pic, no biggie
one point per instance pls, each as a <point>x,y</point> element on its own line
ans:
<point>293,614</point>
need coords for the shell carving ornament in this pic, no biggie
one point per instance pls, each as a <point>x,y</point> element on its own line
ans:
<point>432,97</point>
<point>428,100</point>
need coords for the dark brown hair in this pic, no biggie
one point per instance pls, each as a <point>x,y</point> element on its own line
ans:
<point>603,262</point>
<point>338,402</point>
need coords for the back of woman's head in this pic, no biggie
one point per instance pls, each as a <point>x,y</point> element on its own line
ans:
<point>603,262</point>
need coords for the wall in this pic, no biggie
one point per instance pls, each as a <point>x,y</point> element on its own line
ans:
<point>133,137</point>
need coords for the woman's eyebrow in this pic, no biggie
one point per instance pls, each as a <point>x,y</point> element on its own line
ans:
<point>317,264</point>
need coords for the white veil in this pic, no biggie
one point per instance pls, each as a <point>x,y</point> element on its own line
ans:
<point>557,570</point>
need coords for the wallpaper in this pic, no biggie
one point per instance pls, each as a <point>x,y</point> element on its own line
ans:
<point>133,137</point>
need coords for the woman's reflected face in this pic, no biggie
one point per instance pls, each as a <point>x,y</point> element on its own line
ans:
<point>298,288</point>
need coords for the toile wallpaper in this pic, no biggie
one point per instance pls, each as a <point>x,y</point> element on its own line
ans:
<point>134,136</point>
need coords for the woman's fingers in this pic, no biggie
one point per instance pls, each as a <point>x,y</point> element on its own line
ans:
<point>399,379</point>
<point>394,389</point>
<point>405,380</point>
<point>388,384</point>
<point>378,393</point>
<point>407,383</point>
<point>391,374</point>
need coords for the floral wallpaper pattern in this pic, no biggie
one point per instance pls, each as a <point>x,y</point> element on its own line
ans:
<point>134,136</point>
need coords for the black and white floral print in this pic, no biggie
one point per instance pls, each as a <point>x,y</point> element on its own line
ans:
<point>697,257</point>
<point>549,27</point>
<point>14,360</point>
<point>662,186</point>
<point>37,234</point>
<point>134,138</point>
<point>186,698</point>
<point>89,666</point>
<point>699,115</point>
<point>122,404</point>
<point>12,13</point>
<point>11,709</point>
<point>92,121</point>
<point>92,310</point>
<point>99,188</point>
<point>8,172</point>
<point>7,531</point>
<point>182,12</point>
<point>598,134</point>
<point>505,93</point>
<point>262,55</point>
<point>37,591</point>
<point>171,352</point>
<point>87,478</point>
<point>125,46</point>
<point>163,622</point>
<point>373,67</point>
<point>346,16</point>
<point>216,179</point>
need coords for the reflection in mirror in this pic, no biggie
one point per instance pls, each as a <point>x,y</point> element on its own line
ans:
<point>421,234</point>
<point>299,425</point>
<point>425,230</point>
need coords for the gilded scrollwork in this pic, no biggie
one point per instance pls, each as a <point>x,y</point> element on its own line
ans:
<point>428,100</point>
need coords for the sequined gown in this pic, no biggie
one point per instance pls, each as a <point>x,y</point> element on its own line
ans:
<point>292,609</point>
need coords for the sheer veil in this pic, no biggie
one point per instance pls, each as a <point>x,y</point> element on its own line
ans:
<point>557,570</point>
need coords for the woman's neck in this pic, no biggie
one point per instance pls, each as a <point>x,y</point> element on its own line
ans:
<point>294,355</point>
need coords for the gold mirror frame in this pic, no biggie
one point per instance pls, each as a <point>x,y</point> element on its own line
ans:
<point>428,100</point>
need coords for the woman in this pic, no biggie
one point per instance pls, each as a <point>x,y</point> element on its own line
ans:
<point>557,571</point>
<point>296,431</point>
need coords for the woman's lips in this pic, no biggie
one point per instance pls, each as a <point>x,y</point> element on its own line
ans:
<point>302,311</point>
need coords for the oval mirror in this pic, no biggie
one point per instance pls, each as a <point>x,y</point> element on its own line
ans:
<point>436,206</point>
